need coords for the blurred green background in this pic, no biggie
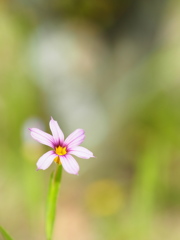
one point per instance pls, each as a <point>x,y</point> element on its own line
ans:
<point>112,68</point>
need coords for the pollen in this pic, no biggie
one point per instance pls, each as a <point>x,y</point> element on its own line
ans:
<point>61,150</point>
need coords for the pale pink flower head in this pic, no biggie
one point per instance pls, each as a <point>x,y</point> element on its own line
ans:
<point>62,149</point>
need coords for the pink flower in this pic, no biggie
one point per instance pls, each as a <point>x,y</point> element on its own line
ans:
<point>62,149</point>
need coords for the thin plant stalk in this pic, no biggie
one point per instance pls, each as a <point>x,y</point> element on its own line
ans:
<point>54,185</point>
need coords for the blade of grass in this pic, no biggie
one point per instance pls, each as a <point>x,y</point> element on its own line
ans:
<point>5,234</point>
<point>54,186</point>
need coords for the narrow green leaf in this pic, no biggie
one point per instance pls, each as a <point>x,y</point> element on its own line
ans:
<point>5,234</point>
<point>52,200</point>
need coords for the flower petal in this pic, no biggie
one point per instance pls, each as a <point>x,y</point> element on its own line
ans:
<point>42,137</point>
<point>56,132</point>
<point>81,152</point>
<point>69,164</point>
<point>75,138</point>
<point>46,160</point>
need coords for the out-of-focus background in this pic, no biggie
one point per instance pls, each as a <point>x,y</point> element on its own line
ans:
<point>111,67</point>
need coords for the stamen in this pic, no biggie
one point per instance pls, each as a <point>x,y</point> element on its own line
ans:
<point>61,150</point>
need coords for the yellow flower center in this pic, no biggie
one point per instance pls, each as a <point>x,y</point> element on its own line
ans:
<point>61,150</point>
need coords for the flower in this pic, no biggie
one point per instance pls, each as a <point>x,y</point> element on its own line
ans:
<point>62,149</point>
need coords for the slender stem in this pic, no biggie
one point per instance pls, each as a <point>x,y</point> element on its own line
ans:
<point>54,186</point>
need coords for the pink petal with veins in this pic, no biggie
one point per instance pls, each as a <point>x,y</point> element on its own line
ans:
<point>45,160</point>
<point>56,132</point>
<point>69,164</point>
<point>75,138</point>
<point>81,152</point>
<point>42,137</point>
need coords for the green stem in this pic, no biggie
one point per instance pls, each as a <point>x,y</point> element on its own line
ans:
<point>54,186</point>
